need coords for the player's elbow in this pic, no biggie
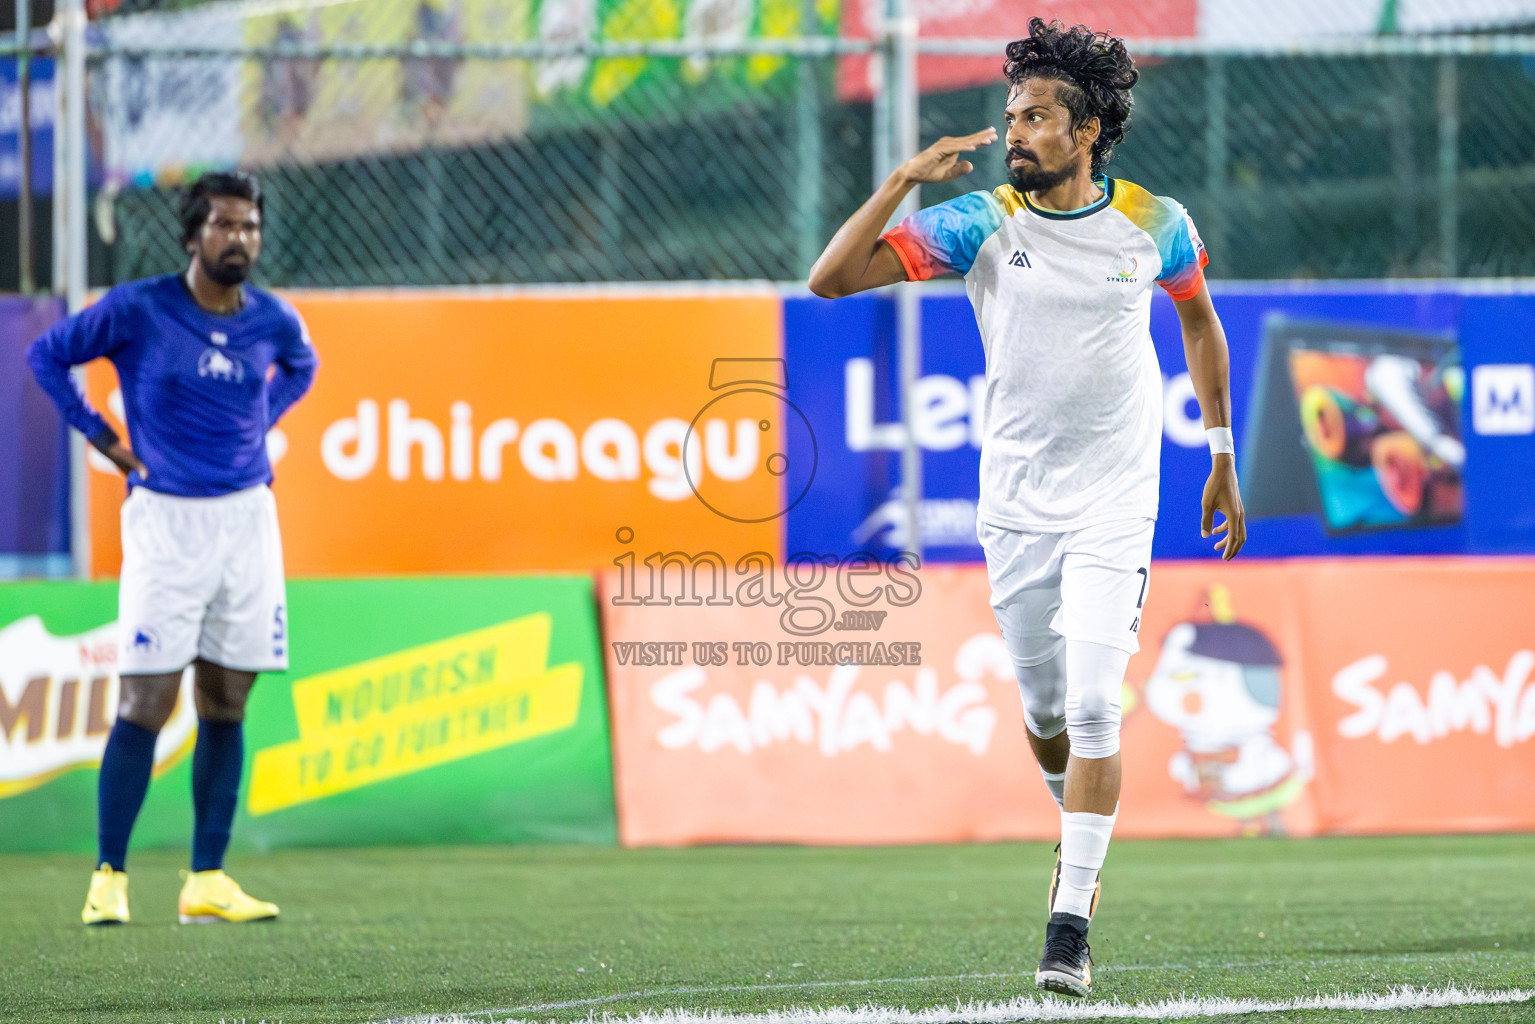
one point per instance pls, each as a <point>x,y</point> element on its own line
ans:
<point>40,359</point>
<point>825,285</point>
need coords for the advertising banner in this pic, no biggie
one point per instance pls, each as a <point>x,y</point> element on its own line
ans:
<point>652,87</point>
<point>877,704</point>
<point>34,451</point>
<point>1368,695</point>
<point>40,117</point>
<point>993,19</point>
<point>314,110</point>
<point>510,432</point>
<point>414,711</point>
<point>1369,419</point>
<point>736,723</point>
<point>1421,683</point>
<point>1287,698</point>
<point>167,117</point>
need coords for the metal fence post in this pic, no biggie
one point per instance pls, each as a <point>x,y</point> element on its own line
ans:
<point>1217,199</point>
<point>1448,102</point>
<point>1404,171</point>
<point>69,244</point>
<point>809,184</point>
<point>904,135</point>
<point>26,280</point>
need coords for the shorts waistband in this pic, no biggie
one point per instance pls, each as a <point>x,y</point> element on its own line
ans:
<point>233,498</point>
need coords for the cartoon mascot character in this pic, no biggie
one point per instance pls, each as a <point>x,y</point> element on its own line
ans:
<point>1219,684</point>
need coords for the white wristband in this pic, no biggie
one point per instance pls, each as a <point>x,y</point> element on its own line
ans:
<point>1221,441</point>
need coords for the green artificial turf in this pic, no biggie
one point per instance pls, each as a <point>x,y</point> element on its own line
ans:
<point>374,933</point>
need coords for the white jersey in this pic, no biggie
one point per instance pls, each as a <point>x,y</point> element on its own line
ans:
<point>1073,409</point>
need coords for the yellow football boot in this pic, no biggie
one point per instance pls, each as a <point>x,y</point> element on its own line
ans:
<point>107,902</point>
<point>211,896</point>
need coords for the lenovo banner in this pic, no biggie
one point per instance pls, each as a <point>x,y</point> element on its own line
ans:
<point>1369,420</point>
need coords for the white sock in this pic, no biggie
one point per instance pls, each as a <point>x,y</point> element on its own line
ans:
<point>1084,844</point>
<point>1057,786</point>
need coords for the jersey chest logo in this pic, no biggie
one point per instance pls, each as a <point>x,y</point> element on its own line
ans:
<point>1020,259</point>
<point>219,366</point>
<point>1125,268</point>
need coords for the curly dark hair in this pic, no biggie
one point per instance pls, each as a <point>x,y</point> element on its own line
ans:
<point>196,201</point>
<point>1094,65</point>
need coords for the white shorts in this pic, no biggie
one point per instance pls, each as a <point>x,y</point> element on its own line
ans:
<point>202,578</point>
<point>1090,584</point>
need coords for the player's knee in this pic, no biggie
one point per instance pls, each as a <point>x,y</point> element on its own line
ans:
<point>1092,722</point>
<point>148,700</point>
<point>222,692</point>
<point>217,704</point>
<point>1043,688</point>
<point>1093,710</point>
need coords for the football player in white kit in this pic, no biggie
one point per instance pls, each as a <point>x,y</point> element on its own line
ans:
<point>1059,265</point>
<point>207,365</point>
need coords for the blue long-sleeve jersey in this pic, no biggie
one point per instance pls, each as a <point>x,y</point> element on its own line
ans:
<point>200,389</point>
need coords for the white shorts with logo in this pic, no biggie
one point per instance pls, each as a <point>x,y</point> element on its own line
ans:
<point>202,578</point>
<point>1090,584</point>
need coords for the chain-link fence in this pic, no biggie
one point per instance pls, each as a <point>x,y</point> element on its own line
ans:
<point>403,142</point>
<point>1326,166</point>
<point>680,183</point>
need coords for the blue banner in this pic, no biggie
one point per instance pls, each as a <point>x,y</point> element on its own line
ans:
<point>41,117</point>
<point>1370,419</point>
<point>34,448</point>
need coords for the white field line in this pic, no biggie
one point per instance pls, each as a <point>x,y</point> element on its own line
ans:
<point>1050,1009</point>
<point>779,986</point>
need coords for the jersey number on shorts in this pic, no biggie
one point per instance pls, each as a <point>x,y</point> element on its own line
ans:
<point>1135,626</point>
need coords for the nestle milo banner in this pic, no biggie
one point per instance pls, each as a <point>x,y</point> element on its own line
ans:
<point>415,711</point>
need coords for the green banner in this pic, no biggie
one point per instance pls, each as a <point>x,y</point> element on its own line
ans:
<point>415,711</point>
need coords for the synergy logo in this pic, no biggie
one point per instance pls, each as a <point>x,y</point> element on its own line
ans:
<point>1125,266</point>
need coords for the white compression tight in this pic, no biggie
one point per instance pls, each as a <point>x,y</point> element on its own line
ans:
<point>1083,699</point>
<point>1095,675</point>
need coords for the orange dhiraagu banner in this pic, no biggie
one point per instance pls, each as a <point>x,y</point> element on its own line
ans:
<point>1366,695</point>
<point>496,431</point>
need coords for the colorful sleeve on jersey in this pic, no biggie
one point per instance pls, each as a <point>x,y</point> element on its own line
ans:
<point>1171,227</point>
<point>944,239</point>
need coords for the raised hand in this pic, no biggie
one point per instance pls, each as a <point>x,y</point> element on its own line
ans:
<point>941,161</point>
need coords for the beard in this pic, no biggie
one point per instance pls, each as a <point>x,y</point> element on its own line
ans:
<point>1031,177</point>
<point>226,271</point>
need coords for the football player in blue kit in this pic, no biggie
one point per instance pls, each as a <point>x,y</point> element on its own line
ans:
<point>207,365</point>
<point>1060,265</point>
